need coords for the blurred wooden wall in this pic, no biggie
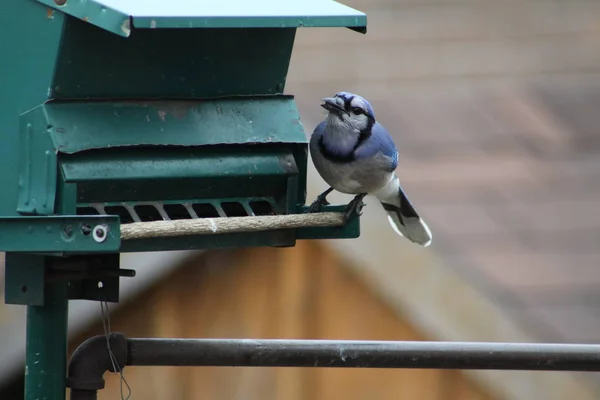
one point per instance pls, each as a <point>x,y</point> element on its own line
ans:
<point>302,292</point>
<point>435,42</point>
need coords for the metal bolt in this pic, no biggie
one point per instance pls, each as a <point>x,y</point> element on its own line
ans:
<point>86,229</point>
<point>60,2</point>
<point>100,233</point>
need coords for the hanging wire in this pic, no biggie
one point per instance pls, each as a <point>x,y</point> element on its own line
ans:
<point>113,359</point>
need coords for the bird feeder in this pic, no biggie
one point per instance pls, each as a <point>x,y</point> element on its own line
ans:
<point>150,125</point>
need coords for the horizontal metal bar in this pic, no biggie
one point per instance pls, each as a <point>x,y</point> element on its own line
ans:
<point>364,354</point>
<point>64,233</point>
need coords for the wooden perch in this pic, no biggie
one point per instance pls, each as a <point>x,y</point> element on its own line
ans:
<point>216,226</point>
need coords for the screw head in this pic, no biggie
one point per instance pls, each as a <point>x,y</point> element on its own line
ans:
<point>68,231</point>
<point>86,229</point>
<point>60,2</point>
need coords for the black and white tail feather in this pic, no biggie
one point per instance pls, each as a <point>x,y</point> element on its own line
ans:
<point>402,215</point>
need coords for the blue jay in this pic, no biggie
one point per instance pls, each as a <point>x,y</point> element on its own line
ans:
<point>355,154</point>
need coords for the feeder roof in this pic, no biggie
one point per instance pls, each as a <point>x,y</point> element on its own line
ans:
<point>118,16</point>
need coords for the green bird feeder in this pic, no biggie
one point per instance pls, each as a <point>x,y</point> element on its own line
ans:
<point>145,125</point>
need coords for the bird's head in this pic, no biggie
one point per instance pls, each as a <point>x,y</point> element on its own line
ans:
<point>349,111</point>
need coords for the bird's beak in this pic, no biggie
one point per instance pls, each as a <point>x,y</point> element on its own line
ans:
<point>331,104</point>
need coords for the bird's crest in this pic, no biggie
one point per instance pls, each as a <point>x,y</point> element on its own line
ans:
<point>351,100</point>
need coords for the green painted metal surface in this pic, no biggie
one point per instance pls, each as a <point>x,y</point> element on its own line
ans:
<point>174,150</point>
<point>24,279</point>
<point>69,234</point>
<point>30,42</point>
<point>93,12</point>
<point>46,345</point>
<point>202,146</point>
<point>37,168</point>
<point>78,126</point>
<point>172,63</point>
<point>26,74</point>
<point>209,164</point>
<point>186,176</point>
<point>115,15</point>
<point>171,185</point>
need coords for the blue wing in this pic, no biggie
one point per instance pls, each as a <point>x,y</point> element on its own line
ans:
<point>316,136</point>
<point>319,129</point>
<point>379,141</point>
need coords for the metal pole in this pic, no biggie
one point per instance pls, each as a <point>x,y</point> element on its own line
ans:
<point>46,346</point>
<point>363,354</point>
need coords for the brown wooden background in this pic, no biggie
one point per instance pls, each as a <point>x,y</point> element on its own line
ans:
<point>302,292</point>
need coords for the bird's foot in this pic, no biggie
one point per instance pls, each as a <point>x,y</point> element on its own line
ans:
<point>319,202</point>
<point>355,206</point>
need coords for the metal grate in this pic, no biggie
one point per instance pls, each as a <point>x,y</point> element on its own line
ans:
<point>205,210</point>
<point>234,209</point>
<point>176,211</point>
<point>122,212</point>
<point>160,211</point>
<point>262,207</point>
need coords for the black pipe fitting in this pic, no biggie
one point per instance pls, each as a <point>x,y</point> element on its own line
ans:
<point>91,360</point>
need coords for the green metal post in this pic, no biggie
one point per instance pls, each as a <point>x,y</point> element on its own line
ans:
<point>46,357</point>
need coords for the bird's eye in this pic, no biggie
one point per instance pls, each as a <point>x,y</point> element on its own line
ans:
<point>357,110</point>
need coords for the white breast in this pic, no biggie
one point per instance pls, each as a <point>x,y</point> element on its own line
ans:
<point>361,176</point>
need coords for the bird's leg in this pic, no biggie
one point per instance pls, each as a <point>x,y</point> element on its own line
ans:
<point>355,206</point>
<point>320,201</point>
